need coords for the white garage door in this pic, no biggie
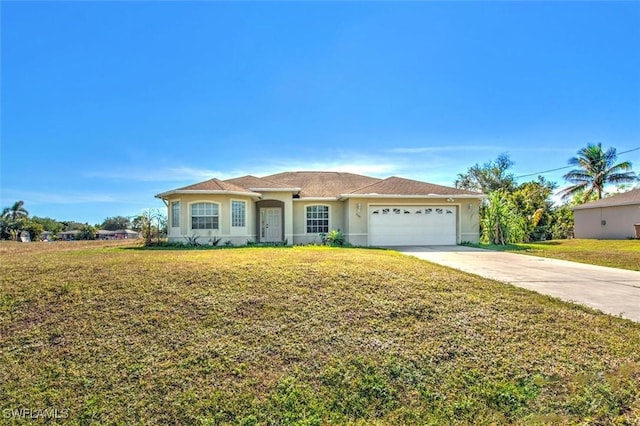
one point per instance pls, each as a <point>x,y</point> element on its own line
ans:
<point>412,225</point>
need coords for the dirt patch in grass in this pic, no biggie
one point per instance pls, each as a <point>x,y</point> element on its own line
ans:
<point>300,336</point>
<point>624,254</point>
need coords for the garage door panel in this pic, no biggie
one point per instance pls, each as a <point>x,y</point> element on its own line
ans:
<point>412,225</point>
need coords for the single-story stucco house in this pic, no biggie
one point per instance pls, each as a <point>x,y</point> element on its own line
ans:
<point>297,207</point>
<point>68,235</point>
<point>608,218</point>
<point>121,234</point>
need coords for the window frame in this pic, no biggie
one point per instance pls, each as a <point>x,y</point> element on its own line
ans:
<point>215,217</point>
<point>175,216</point>
<point>315,228</point>
<point>233,214</point>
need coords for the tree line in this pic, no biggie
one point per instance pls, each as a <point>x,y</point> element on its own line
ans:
<point>517,213</point>
<point>15,220</point>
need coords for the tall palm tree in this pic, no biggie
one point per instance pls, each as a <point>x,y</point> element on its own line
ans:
<point>15,212</point>
<point>597,168</point>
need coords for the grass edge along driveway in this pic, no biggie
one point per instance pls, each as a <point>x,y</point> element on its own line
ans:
<point>623,254</point>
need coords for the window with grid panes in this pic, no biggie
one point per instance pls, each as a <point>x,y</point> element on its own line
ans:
<point>317,219</point>
<point>175,214</point>
<point>238,213</point>
<point>204,216</point>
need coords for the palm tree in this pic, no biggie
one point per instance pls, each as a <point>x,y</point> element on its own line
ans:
<point>597,168</point>
<point>15,212</point>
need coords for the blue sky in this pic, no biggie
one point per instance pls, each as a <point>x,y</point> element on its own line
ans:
<point>105,104</point>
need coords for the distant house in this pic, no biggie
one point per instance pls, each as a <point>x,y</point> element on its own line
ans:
<point>121,234</point>
<point>102,234</point>
<point>299,207</point>
<point>125,234</point>
<point>68,235</point>
<point>609,218</point>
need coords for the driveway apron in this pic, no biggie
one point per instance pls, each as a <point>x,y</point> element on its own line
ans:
<point>611,290</point>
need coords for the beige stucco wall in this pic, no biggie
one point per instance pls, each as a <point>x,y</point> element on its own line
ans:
<point>357,216</point>
<point>618,222</point>
<point>336,219</point>
<point>237,235</point>
<point>349,216</point>
<point>226,232</point>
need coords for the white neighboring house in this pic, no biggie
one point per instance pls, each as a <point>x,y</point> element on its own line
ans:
<point>611,218</point>
<point>298,207</point>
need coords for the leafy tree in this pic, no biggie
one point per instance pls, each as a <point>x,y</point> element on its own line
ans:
<point>579,197</point>
<point>15,212</point>
<point>71,225</point>
<point>13,219</point>
<point>137,223</point>
<point>491,176</point>
<point>5,234</point>
<point>116,223</point>
<point>562,223</point>
<point>532,201</point>
<point>34,228</point>
<point>49,224</point>
<point>501,223</point>
<point>596,169</point>
<point>87,232</point>
<point>10,229</point>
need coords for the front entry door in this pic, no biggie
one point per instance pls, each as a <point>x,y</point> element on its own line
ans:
<point>271,225</point>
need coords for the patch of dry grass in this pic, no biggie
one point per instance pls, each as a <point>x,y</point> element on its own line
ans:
<point>10,248</point>
<point>624,254</point>
<point>299,336</point>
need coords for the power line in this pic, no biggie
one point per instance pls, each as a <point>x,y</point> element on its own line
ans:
<point>566,167</point>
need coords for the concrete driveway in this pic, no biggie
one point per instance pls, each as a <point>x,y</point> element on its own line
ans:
<point>613,291</point>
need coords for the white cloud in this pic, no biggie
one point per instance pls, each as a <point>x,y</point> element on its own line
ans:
<point>35,197</point>
<point>265,167</point>
<point>152,174</point>
<point>398,163</point>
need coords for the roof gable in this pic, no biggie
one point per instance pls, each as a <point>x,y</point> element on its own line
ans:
<point>626,198</point>
<point>213,185</point>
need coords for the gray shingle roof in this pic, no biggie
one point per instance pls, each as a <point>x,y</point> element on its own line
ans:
<point>626,198</point>
<point>249,182</point>
<point>214,185</point>
<point>401,186</point>
<point>325,185</point>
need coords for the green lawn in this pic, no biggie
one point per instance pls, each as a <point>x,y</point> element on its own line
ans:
<point>305,336</point>
<point>623,254</point>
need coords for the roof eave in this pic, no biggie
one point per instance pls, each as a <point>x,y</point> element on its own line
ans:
<point>603,206</point>
<point>315,199</point>
<point>207,192</point>
<point>454,196</point>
